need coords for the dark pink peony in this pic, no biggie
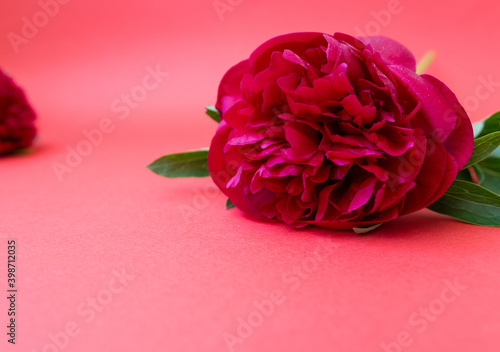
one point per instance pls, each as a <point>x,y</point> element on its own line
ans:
<point>17,129</point>
<point>335,131</point>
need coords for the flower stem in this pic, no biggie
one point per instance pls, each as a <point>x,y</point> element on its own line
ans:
<point>425,61</point>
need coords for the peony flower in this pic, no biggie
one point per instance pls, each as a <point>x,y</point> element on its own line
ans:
<point>17,129</point>
<point>335,131</point>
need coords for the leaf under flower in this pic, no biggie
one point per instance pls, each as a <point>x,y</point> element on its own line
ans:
<point>213,113</point>
<point>471,203</point>
<point>229,204</point>
<point>483,147</point>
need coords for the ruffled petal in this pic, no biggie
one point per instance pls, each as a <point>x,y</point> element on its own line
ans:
<point>460,142</point>
<point>224,166</point>
<point>392,52</point>
<point>295,42</point>
<point>335,131</point>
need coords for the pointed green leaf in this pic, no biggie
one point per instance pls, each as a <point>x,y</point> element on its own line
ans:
<point>188,164</point>
<point>484,146</point>
<point>469,202</point>
<point>229,204</point>
<point>213,113</point>
<point>490,125</point>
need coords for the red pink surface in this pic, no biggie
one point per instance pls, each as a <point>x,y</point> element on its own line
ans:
<point>111,257</point>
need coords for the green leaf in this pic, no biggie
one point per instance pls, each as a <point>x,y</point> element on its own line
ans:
<point>213,113</point>
<point>469,202</point>
<point>491,171</point>
<point>229,204</point>
<point>490,125</point>
<point>188,164</point>
<point>484,146</point>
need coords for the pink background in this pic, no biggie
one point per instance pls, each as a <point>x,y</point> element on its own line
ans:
<point>196,271</point>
